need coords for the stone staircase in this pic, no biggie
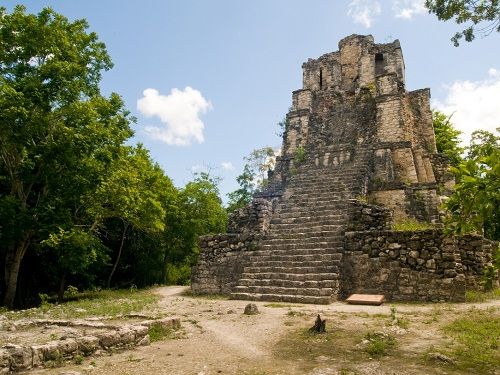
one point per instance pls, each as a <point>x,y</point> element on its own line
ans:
<point>299,259</point>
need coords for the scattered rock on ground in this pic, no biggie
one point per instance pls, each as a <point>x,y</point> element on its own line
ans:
<point>251,309</point>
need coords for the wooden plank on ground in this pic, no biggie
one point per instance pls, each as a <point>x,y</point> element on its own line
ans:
<point>365,299</point>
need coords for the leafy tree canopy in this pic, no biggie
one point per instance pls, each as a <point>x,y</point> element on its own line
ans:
<point>447,137</point>
<point>473,207</point>
<point>253,177</point>
<point>58,134</point>
<point>483,16</point>
<point>194,211</point>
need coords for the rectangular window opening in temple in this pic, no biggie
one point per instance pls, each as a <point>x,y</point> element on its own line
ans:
<point>379,63</point>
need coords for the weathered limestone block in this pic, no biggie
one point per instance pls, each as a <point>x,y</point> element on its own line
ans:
<point>108,339</point>
<point>21,357</point>
<point>4,361</point>
<point>88,344</point>
<point>144,341</point>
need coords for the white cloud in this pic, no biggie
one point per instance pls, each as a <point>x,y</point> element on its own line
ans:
<point>363,11</point>
<point>227,165</point>
<point>474,105</point>
<point>179,113</point>
<point>408,8</point>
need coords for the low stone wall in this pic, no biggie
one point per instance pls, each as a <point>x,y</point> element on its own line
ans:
<point>15,357</point>
<point>477,253</point>
<point>221,262</point>
<point>413,265</point>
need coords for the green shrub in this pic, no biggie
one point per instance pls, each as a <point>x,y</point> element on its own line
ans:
<point>158,332</point>
<point>300,154</point>
<point>178,274</point>
<point>379,343</point>
<point>410,224</point>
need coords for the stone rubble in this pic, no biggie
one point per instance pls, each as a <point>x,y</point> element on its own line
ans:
<point>15,357</point>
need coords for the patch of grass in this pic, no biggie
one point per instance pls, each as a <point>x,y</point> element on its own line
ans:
<point>78,359</point>
<point>434,316</point>
<point>195,323</point>
<point>57,361</point>
<point>158,332</point>
<point>348,371</point>
<point>277,305</point>
<point>379,316</point>
<point>397,319</point>
<point>476,296</point>
<point>379,343</point>
<point>477,335</point>
<point>410,224</point>
<point>304,346</point>
<point>109,303</point>
<point>295,313</point>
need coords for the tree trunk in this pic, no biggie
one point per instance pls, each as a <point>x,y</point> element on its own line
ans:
<point>62,285</point>
<point>164,268</point>
<point>319,326</point>
<point>125,227</point>
<point>13,260</point>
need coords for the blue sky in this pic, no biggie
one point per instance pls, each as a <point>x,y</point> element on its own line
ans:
<point>209,80</point>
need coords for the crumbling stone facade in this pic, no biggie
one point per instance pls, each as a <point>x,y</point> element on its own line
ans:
<point>358,153</point>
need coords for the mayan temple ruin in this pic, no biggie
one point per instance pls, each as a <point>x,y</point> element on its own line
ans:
<point>358,155</point>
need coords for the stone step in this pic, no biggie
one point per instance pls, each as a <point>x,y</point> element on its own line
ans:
<point>332,268</point>
<point>293,250</point>
<point>290,283</point>
<point>273,256</point>
<point>316,220</point>
<point>318,213</point>
<point>291,276</point>
<point>317,292</point>
<point>305,242</point>
<point>294,263</point>
<point>311,226</point>
<point>301,249</point>
<point>331,247</point>
<point>320,300</point>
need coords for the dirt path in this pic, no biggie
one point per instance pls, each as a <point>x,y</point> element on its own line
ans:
<point>217,338</point>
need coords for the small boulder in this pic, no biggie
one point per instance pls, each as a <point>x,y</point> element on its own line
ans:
<point>251,309</point>
<point>145,341</point>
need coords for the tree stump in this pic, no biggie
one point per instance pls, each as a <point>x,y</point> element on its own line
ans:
<point>319,325</point>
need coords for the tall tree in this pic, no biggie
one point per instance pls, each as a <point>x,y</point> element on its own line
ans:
<point>253,177</point>
<point>483,16</point>
<point>474,203</point>
<point>447,137</point>
<point>196,210</point>
<point>58,134</point>
<point>134,191</point>
<point>75,251</point>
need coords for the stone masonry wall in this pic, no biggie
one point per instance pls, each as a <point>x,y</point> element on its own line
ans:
<point>221,262</point>
<point>364,216</point>
<point>223,256</point>
<point>253,218</point>
<point>413,265</point>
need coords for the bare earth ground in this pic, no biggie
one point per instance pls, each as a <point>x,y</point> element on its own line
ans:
<point>217,338</point>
